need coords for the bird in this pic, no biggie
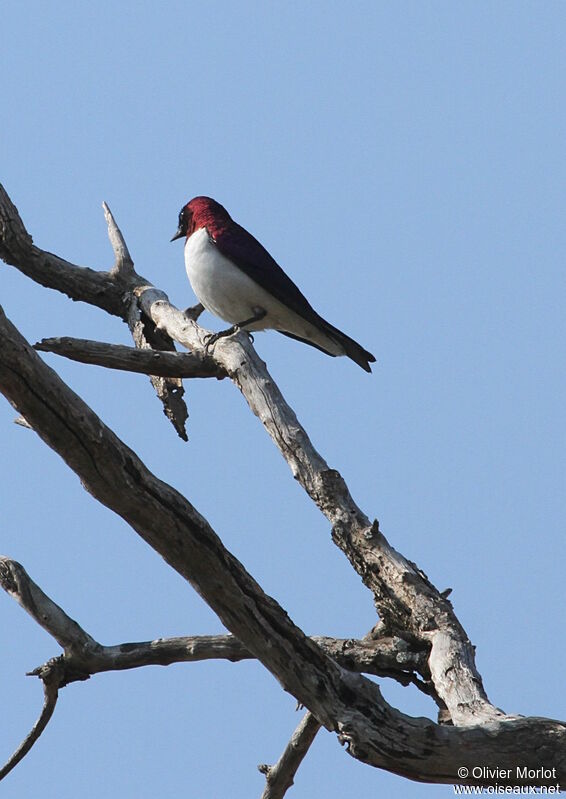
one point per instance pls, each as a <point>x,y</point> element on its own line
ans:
<point>235,278</point>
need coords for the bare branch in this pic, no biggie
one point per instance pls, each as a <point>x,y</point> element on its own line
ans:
<point>16,581</point>
<point>112,291</point>
<point>168,389</point>
<point>95,658</point>
<point>404,597</point>
<point>386,656</point>
<point>50,677</point>
<point>344,702</point>
<point>113,473</point>
<point>123,265</point>
<point>15,241</point>
<point>280,777</point>
<point>86,656</point>
<point>129,359</point>
<point>77,282</point>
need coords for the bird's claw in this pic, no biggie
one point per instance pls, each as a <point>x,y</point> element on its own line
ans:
<point>212,338</point>
<point>210,341</point>
<point>259,314</point>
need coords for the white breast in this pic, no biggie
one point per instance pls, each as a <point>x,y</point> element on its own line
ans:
<point>227,292</point>
<point>221,287</point>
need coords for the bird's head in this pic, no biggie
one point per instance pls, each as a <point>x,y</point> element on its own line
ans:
<point>200,212</point>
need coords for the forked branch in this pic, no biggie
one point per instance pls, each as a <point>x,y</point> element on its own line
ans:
<point>84,656</point>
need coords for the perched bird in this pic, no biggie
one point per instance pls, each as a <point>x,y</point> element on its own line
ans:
<point>235,278</point>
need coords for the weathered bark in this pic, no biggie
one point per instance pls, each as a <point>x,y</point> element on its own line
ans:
<point>279,777</point>
<point>50,695</point>
<point>143,361</point>
<point>344,702</point>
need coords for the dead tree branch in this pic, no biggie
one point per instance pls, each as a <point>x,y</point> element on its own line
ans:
<point>280,777</point>
<point>344,702</point>
<point>50,679</point>
<point>16,581</point>
<point>123,263</point>
<point>169,389</point>
<point>128,359</point>
<point>83,655</point>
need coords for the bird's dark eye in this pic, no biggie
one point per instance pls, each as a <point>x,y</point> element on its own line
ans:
<point>184,219</point>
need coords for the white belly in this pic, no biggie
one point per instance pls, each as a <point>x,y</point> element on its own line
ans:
<point>227,292</point>
<point>221,287</point>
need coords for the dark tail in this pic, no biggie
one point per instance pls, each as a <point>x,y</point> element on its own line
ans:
<point>351,348</point>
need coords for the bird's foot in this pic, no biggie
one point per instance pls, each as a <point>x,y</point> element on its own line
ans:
<point>214,337</point>
<point>259,314</point>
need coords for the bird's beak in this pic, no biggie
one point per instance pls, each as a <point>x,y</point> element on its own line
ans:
<point>179,234</point>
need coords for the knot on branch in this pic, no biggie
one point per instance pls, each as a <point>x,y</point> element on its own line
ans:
<point>58,672</point>
<point>51,673</point>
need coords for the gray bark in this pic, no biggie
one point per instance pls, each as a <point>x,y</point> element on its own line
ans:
<point>144,361</point>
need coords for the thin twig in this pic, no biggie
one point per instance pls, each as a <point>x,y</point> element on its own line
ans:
<point>50,677</point>
<point>280,777</point>
<point>123,264</point>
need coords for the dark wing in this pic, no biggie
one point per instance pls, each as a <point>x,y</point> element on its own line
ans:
<point>253,259</point>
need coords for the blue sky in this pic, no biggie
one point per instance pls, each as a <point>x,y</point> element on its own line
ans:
<point>404,162</point>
